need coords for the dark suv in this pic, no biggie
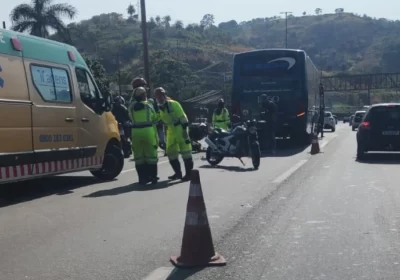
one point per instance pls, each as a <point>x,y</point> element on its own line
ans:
<point>379,129</point>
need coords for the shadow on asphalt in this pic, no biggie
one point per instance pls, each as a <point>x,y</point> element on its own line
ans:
<point>15,193</point>
<point>285,148</point>
<point>135,187</point>
<point>380,159</point>
<point>229,168</point>
<point>182,274</point>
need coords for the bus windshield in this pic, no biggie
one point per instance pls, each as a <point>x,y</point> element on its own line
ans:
<point>268,66</point>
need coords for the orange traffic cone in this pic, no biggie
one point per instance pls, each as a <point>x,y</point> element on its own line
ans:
<point>197,244</point>
<point>315,145</point>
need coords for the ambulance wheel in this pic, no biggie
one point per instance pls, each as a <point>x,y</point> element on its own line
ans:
<point>113,164</point>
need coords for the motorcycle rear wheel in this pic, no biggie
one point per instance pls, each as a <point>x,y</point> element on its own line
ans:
<point>212,158</point>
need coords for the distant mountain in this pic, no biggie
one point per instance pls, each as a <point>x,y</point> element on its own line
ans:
<point>337,43</point>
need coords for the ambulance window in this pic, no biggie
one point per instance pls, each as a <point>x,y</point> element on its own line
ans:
<point>88,91</point>
<point>52,83</point>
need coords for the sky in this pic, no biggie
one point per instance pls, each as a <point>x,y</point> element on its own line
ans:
<point>190,11</point>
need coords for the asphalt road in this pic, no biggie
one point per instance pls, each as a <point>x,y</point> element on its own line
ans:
<point>297,217</point>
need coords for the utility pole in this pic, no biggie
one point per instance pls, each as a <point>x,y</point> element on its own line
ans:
<point>145,42</point>
<point>286,15</point>
<point>119,73</point>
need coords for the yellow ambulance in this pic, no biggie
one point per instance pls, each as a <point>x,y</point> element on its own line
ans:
<point>53,118</point>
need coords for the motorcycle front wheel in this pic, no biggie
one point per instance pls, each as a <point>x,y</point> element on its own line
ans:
<point>255,155</point>
<point>213,158</point>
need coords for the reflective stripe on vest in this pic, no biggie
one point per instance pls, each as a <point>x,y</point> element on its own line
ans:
<point>147,123</point>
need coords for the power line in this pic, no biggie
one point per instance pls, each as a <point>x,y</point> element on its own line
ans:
<point>286,15</point>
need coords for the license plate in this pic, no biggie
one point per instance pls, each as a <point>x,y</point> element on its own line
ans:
<point>390,132</point>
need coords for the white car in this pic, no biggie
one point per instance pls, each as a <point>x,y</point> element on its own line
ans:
<point>329,121</point>
<point>358,116</point>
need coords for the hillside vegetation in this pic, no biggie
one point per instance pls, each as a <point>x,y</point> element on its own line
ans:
<point>187,59</point>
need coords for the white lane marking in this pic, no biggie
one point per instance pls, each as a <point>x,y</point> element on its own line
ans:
<point>289,172</point>
<point>161,273</point>
<point>326,142</point>
<point>132,169</point>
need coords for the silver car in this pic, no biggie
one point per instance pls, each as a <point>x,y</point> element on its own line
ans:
<point>358,116</point>
<point>329,121</point>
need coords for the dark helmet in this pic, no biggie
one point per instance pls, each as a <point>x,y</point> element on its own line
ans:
<point>221,102</point>
<point>119,99</point>
<point>139,82</point>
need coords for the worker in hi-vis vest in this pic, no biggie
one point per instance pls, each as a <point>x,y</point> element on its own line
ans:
<point>220,116</point>
<point>178,141</point>
<point>144,137</point>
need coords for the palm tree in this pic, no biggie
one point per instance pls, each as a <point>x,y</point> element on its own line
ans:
<point>158,20</point>
<point>41,15</point>
<point>131,10</point>
<point>166,21</point>
<point>132,13</point>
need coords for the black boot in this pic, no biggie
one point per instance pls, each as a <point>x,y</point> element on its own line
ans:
<point>149,172</point>
<point>154,170</point>
<point>176,166</point>
<point>141,171</point>
<point>188,167</point>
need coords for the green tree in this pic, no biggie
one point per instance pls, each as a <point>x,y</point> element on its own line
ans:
<point>318,11</point>
<point>207,21</point>
<point>175,76</point>
<point>178,25</point>
<point>151,25</point>
<point>40,16</point>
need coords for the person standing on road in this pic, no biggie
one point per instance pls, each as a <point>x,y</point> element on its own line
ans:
<point>121,113</point>
<point>141,82</point>
<point>321,122</point>
<point>178,141</point>
<point>220,116</point>
<point>269,112</point>
<point>144,137</point>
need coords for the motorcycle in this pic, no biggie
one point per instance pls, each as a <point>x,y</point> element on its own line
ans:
<point>241,141</point>
<point>126,142</point>
<point>197,132</point>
